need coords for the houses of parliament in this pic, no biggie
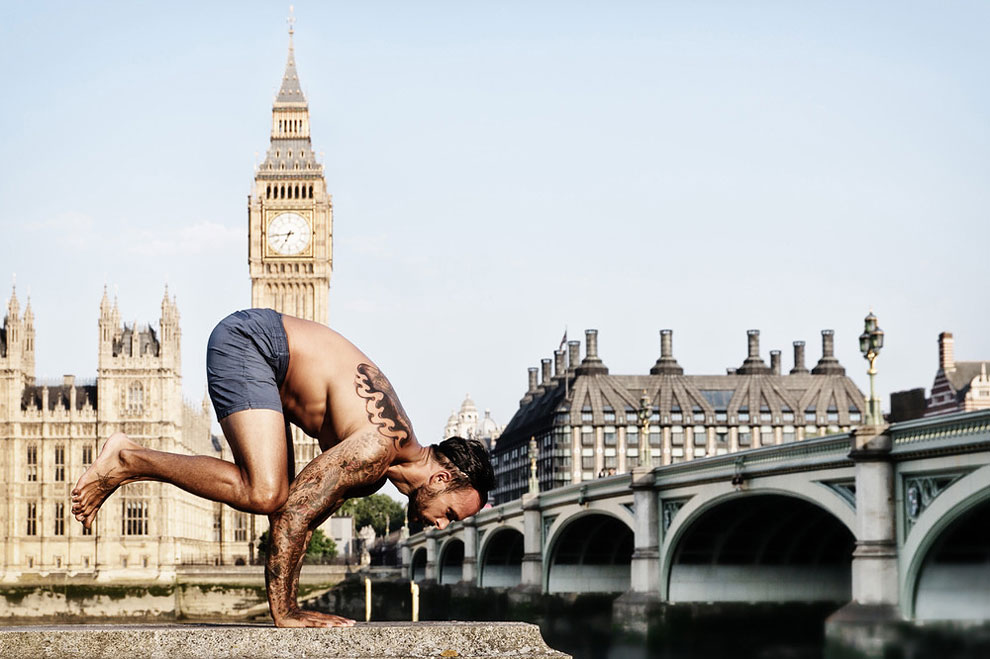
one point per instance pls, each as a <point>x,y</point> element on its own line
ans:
<point>50,432</point>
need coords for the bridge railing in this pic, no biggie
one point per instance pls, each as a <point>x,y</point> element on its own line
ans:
<point>969,430</point>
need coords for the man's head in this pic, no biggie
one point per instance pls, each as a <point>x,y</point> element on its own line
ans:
<point>460,477</point>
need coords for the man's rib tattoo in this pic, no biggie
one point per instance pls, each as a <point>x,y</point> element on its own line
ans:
<point>383,406</point>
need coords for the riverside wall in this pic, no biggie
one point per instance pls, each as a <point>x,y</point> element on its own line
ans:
<point>192,593</point>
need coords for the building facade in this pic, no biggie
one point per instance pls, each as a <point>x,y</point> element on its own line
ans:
<point>467,424</point>
<point>958,386</point>
<point>50,433</point>
<point>586,422</point>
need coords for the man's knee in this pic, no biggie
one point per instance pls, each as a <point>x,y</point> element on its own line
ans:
<point>264,500</point>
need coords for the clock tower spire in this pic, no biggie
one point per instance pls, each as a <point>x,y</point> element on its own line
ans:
<point>290,212</point>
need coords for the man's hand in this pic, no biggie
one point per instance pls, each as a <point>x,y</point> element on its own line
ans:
<point>320,489</point>
<point>300,618</point>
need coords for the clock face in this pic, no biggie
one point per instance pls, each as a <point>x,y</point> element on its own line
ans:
<point>289,234</point>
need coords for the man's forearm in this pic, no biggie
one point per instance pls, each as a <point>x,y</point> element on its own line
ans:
<point>294,580</point>
<point>316,493</point>
<point>285,557</point>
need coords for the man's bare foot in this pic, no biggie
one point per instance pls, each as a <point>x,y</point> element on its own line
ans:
<point>101,479</point>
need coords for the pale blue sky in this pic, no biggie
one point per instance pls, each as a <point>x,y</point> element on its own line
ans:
<point>502,170</point>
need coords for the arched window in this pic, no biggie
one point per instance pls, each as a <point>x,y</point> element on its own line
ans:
<point>310,191</point>
<point>135,398</point>
<point>297,188</point>
<point>268,192</point>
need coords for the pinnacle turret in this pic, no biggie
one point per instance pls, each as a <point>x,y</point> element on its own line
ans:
<point>290,93</point>
<point>290,154</point>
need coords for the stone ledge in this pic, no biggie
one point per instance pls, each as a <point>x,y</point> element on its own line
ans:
<point>365,640</point>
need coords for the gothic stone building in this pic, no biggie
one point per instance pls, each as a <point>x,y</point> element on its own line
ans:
<point>49,434</point>
<point>586,423</point>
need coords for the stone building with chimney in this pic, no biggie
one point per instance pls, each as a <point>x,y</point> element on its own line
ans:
<point>586,420</point>
<point>958,386</point>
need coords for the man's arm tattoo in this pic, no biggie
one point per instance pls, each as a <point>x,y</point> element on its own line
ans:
<point>317,492</point>
<point>383,406</point>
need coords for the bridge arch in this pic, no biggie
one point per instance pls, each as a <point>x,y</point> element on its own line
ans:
<point>417,567</point>
<point>947,554</point>
<point>450,563</point>
<point>590,551</point>
<point>765,544</point>
<point>500,558</point>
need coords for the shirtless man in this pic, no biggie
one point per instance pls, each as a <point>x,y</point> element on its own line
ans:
<point>265,371</point>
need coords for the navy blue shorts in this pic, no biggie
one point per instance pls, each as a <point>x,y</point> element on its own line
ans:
<point>246,360</point>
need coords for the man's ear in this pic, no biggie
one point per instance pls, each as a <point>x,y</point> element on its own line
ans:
<point>441,477</point>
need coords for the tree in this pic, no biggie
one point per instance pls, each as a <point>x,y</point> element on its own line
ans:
<point>381,511</point>
<point>320,546</point>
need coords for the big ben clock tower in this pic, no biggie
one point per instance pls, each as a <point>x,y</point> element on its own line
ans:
<point>290,213</point>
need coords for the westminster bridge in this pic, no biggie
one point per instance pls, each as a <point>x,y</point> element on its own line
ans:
<point>894,517</point>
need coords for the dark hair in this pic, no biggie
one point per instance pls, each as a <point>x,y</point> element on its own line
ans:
<point>469,465</point>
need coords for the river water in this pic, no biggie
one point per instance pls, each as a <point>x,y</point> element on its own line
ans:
<point>582,625</point>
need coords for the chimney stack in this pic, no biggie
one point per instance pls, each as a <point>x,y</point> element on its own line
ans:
<point>591,365</point>
<point>591,343</point>
<point>799,366</point>
<point>559,368</point>
<point>946,352</point>
<point>753,365</point>
<point>775,361</point>
<point>828,364</point>
<point>533,386</point>
<point>573,354</point>
<point>546,372</point>
<point>666,365</point>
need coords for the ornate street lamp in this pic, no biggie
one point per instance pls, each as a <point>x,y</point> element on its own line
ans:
<point>645,412</point>
<point>534,483</point>
<point>870,343</point>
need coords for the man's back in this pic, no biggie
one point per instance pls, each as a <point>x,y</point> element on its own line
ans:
<point>332,390</point>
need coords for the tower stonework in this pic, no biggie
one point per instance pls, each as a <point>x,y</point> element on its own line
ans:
<point>290,213</point>
<point>290,218</point>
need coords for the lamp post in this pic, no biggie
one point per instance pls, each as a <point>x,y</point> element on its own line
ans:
<point>645,412</point>
<point>870,343</point>
<point>534,483</point>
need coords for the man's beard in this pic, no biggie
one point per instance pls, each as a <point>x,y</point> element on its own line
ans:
<point>419,499</point>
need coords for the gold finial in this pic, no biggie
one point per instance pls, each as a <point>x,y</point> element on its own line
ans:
<point>291,20</point>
